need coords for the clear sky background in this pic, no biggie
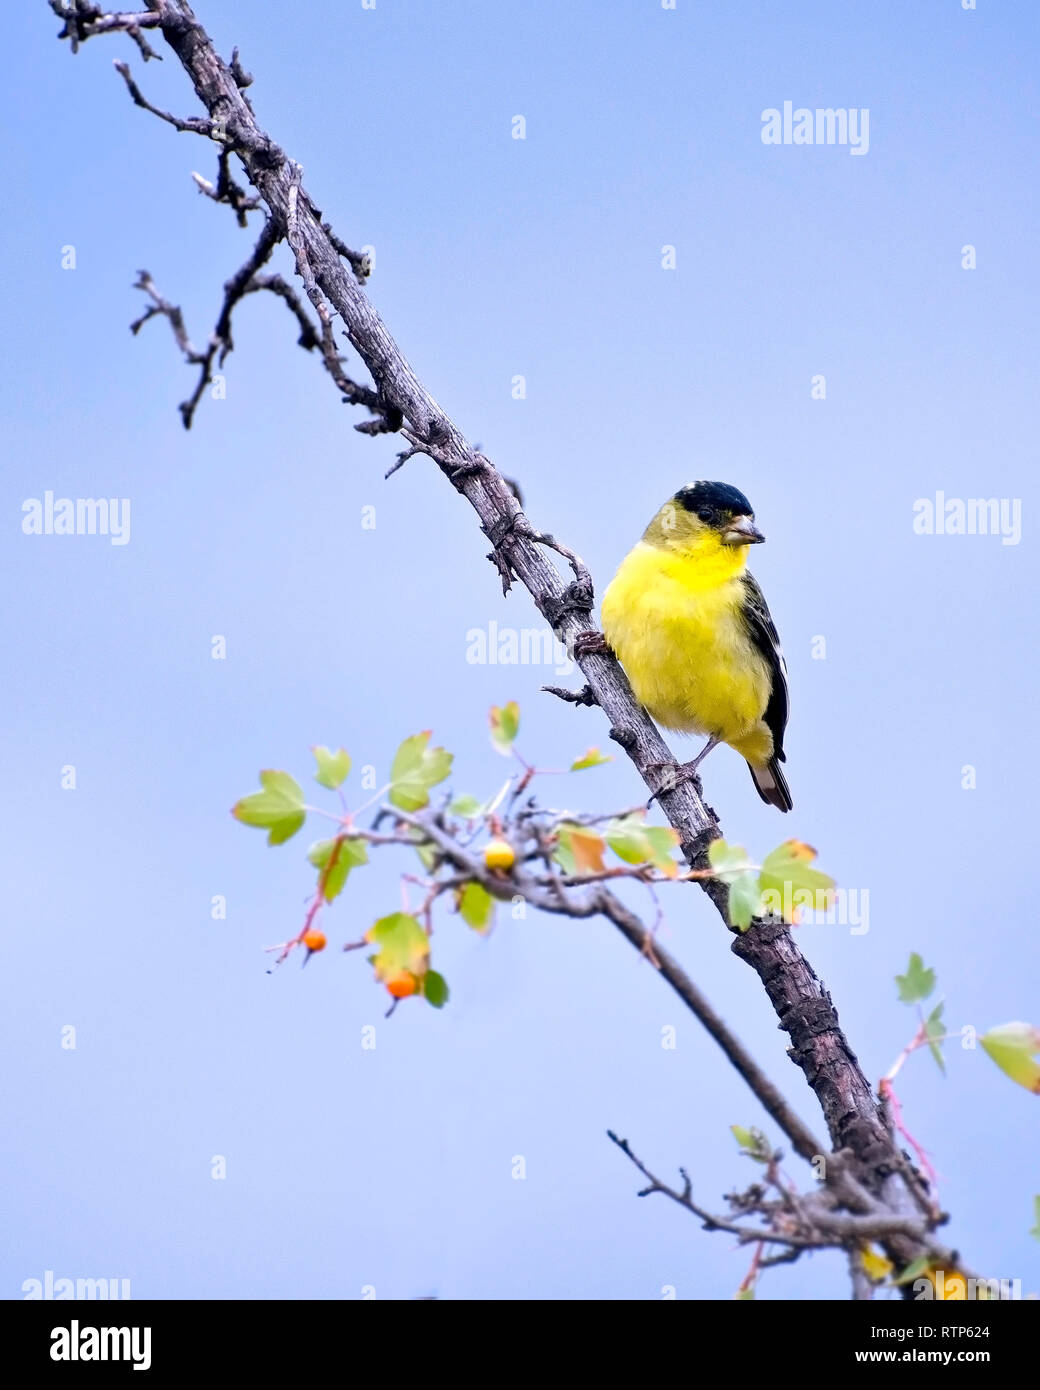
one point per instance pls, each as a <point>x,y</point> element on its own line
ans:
<point>496,257</point>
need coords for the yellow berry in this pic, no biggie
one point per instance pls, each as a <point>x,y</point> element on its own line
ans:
<point>499,854</point>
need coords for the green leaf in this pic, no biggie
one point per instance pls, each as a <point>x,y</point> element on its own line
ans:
<point>914,1270</point>
<point>476,907</point>
<point>745,1295</point>
<point>1035,1232</point>
<point>505,725</point>
<point>468,807</point>
<point>579,849</point>
<point>278,809</point>
<point>416,768</point>
<point>733,867</point>
<point>637,843</point>
<point>935,1031</point>
<point>743,1136</point>
<point>350,855</point>
<point>403,945</point>
<point>1013,1047</point>
<point>788,882</point>
<point>917,983</point>
<point>592,757</point>
<point>332,767</point>
<point>435,989</point>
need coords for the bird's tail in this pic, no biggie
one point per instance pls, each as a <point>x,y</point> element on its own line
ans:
<point>771,784</point>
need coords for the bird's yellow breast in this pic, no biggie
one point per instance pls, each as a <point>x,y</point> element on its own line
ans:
<point>675,623</point>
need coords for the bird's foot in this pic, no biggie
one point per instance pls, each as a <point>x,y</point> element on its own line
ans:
<point>590,644</point>
<point>674,775</point>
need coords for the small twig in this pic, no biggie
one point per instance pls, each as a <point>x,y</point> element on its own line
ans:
<point>402,459</point>
<point>582,577</point>
<point>888,1096</point>
<point>584,696</point>
<point>220,342</point>
<point>358,262</point>
<point>194,125</point>
<point>227,190</point>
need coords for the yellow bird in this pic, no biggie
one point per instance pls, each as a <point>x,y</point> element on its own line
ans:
<point>692,630</point>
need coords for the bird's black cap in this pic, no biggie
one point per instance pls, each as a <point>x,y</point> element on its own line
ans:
<point>718,498</point>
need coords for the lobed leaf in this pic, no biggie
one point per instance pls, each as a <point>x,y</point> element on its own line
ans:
<point>917,983</point>
<point>788,878</point>
<point>416,768</point>
<point>579,849</point>
<point>638,843</point>
<point>403,945</point>
<point>332,767</point>
<point>733,867</point>
<point>278,809</point>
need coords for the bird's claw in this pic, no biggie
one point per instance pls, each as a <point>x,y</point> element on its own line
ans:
<point>674,775</point>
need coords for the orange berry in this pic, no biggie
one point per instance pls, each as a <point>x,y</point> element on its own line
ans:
<point>499,854</point>
<point>315,941</point>
<point>402,985</point>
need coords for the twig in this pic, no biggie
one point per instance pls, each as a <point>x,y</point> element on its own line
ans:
<point>220,343</point>
<point>83,20</point>
<point>193,125</point>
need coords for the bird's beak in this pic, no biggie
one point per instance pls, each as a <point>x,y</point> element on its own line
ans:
<point>742,531</point>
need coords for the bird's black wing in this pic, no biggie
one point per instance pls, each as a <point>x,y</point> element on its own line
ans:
<point>763,633</point>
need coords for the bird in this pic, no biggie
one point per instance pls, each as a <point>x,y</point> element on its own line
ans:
<point>692,629</point>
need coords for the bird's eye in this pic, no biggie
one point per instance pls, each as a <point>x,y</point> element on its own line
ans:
<point>704,513</point>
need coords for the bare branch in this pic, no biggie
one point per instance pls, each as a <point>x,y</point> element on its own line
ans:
<point>805,1143</point>
<point>796,1222</point>
<point>220,343</point>
<point>283,290</point>
<point>83,20</point>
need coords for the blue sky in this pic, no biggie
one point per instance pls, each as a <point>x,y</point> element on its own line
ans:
<point>495,258</point>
